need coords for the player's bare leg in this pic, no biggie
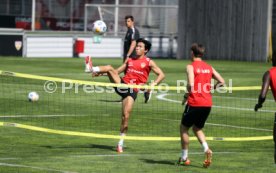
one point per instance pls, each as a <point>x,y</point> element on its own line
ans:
<point>208,152</point>
<point>127,105</point>
<point>126,110</point>
<point>109,70</point>
<point>101,70</point>
<point>184,134</point>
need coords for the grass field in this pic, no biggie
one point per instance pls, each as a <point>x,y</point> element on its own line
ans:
<point>27,150</point>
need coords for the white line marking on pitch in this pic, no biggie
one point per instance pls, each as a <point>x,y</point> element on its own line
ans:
<point>34,116</point>
<point>235,98</point>
<point>221,125</point>
<point>162,97</point>
<point>142,154</point>
<point>9,158</point>
<point>39,116</point>
<point>240,127</point>
<point>241,98</point>
<point>34,167</point>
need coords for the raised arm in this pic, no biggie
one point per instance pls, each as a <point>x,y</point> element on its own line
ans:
<point>158,72</point>
<point>265,86</point>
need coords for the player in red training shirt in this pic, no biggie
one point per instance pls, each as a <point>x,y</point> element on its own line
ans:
<point>137,73</point>
<point>199,102</point>
<point>269,79</point>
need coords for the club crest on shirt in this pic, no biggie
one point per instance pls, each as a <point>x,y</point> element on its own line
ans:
<point>143,65</point>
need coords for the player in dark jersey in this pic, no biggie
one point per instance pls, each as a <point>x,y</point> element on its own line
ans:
<point>199,102</point>
<point>137,72</point>
<point>132,35</point>
<point>269,79</point>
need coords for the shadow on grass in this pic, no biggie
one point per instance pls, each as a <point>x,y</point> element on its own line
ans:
<point>162,162</point>
<point>165,162</point>
<point>116,101</point>
<point>104,147</point>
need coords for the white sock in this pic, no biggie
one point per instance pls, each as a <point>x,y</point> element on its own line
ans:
<point>96,69</point>
<point>205,146</point>
<point>121,142</point>
<point>184,154</point>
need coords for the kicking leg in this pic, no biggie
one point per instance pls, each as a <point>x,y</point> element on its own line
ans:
<point>100,70</point>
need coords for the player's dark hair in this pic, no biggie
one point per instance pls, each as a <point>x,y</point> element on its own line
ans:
<point>146,43</point>
<point>129,17</point>
<point>274,59</point>
<point>198,50</point>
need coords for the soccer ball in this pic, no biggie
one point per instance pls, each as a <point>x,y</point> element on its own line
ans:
<point>99,27</point>
<point>33,96</point>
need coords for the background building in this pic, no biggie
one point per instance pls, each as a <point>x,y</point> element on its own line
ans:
<point>231,30</point>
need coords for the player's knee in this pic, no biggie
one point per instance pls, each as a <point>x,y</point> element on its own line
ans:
<point>125,122</point>
<point>196,129</point>
<point>183,127</point>
<point>109,68</point>
<point>126,113</point>
<point>125,118</point>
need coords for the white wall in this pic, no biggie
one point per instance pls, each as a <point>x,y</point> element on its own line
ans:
<point>49,47</point>
<point>107,48</point>
<point>38,46</point>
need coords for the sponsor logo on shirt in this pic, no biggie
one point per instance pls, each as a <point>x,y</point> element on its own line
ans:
<point>130,64</point>
<point>134,71</point>
<point>203,71</point>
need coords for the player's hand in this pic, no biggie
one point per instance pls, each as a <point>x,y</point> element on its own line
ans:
<point>152,85</point>
<point>95,74</point>
<point>184,101</point>
<point>258,106</point>
<point>98,74</point>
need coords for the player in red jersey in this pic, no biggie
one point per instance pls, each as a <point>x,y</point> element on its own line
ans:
<point>199,102</point>
<point>269,79</point>
<point>137,73</point>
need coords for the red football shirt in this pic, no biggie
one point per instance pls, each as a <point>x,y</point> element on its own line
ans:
<point>272,73</point>
<point>200,96</point>
<point>137,71</point>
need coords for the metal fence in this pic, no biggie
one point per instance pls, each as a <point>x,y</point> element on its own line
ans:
<point>230,30</point>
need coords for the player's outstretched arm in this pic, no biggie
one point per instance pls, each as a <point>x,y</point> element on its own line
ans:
<point>265,86</point>
<point>157,71</point>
